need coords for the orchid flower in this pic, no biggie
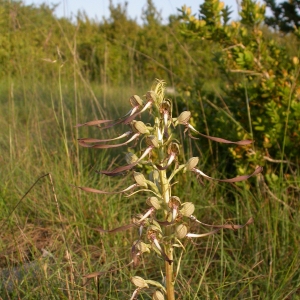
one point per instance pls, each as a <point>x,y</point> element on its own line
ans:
<point>182,231</point>
<point>173,152</point>
<point>152,236</point>
<point>122,169</point>
<point>184,118</point>
<point>165,110</point>
<point>136,104</point>
<point>191,164</point>
<point>174,205</point>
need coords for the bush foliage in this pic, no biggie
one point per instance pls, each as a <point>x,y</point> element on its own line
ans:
<point>260,81</point>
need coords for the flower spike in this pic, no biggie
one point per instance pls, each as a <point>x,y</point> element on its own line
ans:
<point>161,226</point>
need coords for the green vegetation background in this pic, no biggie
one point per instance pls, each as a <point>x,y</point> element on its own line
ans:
<point>240,80</point>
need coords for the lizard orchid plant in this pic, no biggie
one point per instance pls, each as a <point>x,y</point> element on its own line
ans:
<point>160,152</point>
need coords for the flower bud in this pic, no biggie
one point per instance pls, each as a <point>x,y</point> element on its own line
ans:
<point>184,117</point>
<point>152,141</point>
<point>140,127</point>
<point>139,282</point>
<point>153,201</point>
<point>140,179</point>
<point>192,163</point>
<point>135,100</point>
<point>187,209</point>
<point>181,231</point>
<point>151,96</point>
<point>158,295</point>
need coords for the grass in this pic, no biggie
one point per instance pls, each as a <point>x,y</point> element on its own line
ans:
<point>48,239</point>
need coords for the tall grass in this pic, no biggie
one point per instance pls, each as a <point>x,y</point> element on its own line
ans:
<point>38,138</point>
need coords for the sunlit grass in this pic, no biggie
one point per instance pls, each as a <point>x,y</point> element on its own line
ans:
<point>39,138</point>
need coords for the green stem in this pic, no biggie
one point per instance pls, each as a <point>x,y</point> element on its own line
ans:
<point>169,274</point>
<point>166,193</point>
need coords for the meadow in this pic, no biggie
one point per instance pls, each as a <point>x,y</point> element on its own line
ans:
<point>49,238</point>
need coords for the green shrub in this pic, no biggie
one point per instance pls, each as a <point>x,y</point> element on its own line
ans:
<point>260,89</point>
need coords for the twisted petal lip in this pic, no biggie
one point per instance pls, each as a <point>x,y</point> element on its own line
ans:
<point>122,169</point>
<point>196,235</point>
<point>147,214</point>
<point>220,140</point>
<point>174,213</point>
<point>224,226</point>
<point>91,140</point>
<point>83,143</point>
<point>126,119</point>
<point>88,189</point>
<point>118,171</point>
<point>166,117</point>
<point>219,227</point>
<point>235,179</point>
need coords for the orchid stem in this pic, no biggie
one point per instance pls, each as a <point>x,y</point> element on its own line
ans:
<point>169,274</point>
<point>165,188</point>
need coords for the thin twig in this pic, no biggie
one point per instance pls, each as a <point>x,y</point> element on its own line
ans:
<point>19,202</point>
